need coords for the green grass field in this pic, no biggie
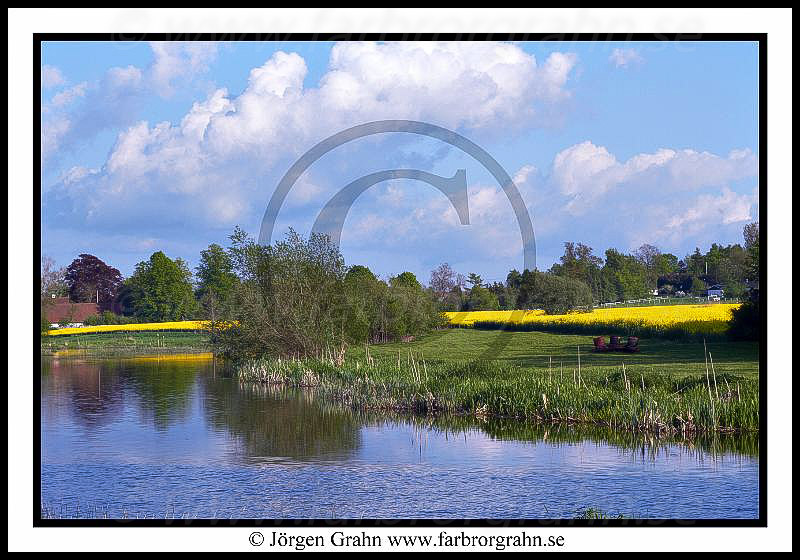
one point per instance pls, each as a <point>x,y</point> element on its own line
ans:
<point>127,342</point>
<point>535,350</point>
<point>525,349</point>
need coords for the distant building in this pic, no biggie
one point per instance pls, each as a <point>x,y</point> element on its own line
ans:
<point>715,291</point>
<point>61,309</point>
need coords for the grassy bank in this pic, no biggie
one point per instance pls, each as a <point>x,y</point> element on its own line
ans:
<point>536,376</point>
<point>666,358</point>
<point>109,343</point>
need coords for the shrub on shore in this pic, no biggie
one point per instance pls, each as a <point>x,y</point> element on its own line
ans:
<point>746,320</point>
<point>297,298</point>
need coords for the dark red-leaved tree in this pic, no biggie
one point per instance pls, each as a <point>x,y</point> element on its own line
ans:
<point>90,279</point>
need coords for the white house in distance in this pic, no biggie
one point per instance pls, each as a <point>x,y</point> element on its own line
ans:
<point>716,291</point>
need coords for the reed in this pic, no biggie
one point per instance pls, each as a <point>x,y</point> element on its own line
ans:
<point>657,404</point>
<point>594,513</point>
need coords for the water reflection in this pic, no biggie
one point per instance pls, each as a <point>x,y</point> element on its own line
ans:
<point>163,388</point>
<point>177,432</point>
<point>511,429</point>
<point>91,392</point>
<point>175,393</point>
<point>271,423</point>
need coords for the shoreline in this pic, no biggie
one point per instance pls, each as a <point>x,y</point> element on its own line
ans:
<point>664,397</point>
<point>126,342</point>
<point>496,390</point>
<point>555,422</point>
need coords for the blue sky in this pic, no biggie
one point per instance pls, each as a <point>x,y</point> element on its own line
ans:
<point>167,146</point>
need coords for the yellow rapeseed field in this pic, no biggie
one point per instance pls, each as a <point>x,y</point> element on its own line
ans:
<point>698,319</point>
<point>168,326</point>
<point>701,319</point>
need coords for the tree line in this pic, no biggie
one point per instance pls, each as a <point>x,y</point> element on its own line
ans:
<point>294,297</point>
<point>582,279</point>
<point>297,296</point>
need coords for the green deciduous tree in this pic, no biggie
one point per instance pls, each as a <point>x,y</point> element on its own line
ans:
<point>297,298</point>
<point>656,264</point>
<point>366,300</point>
<point>751,243</point>
<point>482,299</point>
<point>405,279</point>
<point>665,264</point>
<point>506,299</point>
<point>745,323</point>
<point>554,294</point>
<point>624,276</point>
<point>216,281</point>
<point>697,286</point>
<point>160,289</point>
<point>215,273</point>
<point>578,263</point>
<point>411,310</point>
<point>298,288</point>
<point>513,282</point>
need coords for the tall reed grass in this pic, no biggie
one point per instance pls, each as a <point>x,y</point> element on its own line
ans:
<point>622,400</point>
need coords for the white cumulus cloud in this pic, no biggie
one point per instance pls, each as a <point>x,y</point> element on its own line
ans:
<point>175,60</point>
<point>76,114</point>
<point>235,140</point>
<point>586,173</point>
<point>725,208</point>
<point>51,77</point>
<point>622,58</point>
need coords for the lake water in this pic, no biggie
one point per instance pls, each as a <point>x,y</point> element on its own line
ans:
<point>172,436</point>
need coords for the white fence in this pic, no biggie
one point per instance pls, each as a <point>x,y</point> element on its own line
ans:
<point>663,300</point>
